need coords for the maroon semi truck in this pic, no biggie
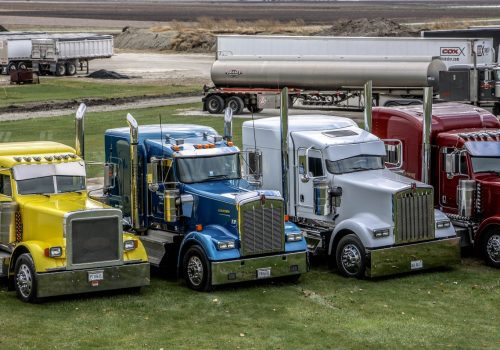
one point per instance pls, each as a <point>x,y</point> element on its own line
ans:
<point>459,154</point>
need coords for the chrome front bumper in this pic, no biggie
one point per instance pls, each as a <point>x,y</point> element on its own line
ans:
<point>241,270</point>
<point>394,260</point>
<point>77,281</point>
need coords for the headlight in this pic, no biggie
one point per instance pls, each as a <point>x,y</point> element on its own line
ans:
<point>226,245</point>
<point>294,237</point>
<point>381,232</point>
<point>130,244</point>
<point>53,252</point>
<point>443,224</point>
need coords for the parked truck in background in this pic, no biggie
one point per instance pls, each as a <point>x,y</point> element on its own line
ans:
<point>330,71</point>
<point>181,191</point>
<point>370,221</point>
<point>59,54</point>
<point>463,167</point>
<point>54,239</point>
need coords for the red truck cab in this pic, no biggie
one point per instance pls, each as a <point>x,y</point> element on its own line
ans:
<point>464,165</point>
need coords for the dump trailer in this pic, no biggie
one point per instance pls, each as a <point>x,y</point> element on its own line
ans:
<point>181,191</point>
<point>461,161</point>
<point>330,71</point>
<point>15,51</point>
<point>55,239</point>
<point>366,219</point>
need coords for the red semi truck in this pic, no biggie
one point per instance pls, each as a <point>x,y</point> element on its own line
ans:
<point>459,154</point>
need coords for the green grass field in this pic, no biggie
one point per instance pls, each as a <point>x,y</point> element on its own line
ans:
<point>57,89</point>
<point>456,308</point>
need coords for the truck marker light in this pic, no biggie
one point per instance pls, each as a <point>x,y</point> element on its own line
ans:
<point>287,218</point>
<point>130,244</point>
<point>18,159</point>
<point>211,145</point>
<point>53,252</point>
<point>37,159</point>
<point>198,146</point>
<point>206,145</point>
<point>176,148</point>
<point>230,143</point>
<point>72,155</point>
<point>28,159</point>
<point>49,158</point>
<point>199,227</point>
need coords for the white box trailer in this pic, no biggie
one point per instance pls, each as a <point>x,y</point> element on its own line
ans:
<point>62,54</point>
<point>452,51</point>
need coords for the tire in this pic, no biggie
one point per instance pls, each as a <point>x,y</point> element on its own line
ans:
<point>60,69</point>
<point>491,248</point>
<point>70,68</point>
<point>11,68</point>
<point>254,109</point>
<point>236,104</point>
<point>196,269</point>
<point>496,109</point>
<point>25,281</point>
<point>22,65</point>
<point>350,257</point>
<point>214,104</point>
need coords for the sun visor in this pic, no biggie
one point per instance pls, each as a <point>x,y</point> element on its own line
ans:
<point>344,151</point>
<point>483,148</point>
<point>31,171</point>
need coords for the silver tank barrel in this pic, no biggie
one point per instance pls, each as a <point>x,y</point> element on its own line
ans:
<point>326,75</point>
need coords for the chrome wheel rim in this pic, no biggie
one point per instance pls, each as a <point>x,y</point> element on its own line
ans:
<point>213,105</point>
<point>24,280</point>
<point>351,258</point>
<point>195,270</point>
<point>493,248</point>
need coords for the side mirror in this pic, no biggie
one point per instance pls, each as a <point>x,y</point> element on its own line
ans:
<point>450,164</point>
<point>110,172</point>
<point>304,167</point>
<point>394,154</point>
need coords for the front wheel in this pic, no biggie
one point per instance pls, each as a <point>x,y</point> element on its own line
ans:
<point>196,269</point>
<point>491,248</point>
<point>25,278</point>
<point>350,256</point>
<point>236,104</point>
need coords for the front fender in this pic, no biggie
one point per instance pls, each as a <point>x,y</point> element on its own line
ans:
<point>37,251</point>
<point>362,225</point>
<point>486,225</point>
<point>207,239</point>
<point>138,253</point>
<point>290,227</point>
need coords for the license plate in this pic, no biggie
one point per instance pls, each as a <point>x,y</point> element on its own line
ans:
<point>96,276</point>
<point>264,272</point>
<point>417,264</point>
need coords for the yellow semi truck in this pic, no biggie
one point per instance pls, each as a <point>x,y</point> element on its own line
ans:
<point>54,239</point>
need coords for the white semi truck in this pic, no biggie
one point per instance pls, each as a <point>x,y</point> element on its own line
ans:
<point>370,221</point>
<point>330,71</point>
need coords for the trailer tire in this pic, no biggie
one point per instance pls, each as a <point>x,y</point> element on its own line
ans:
<point>11,68</point>
<point>236,104</point>
<point>491,247</point>
<point>25,281</point>
<point>60,69</point>
<point>196,269</point>
<point>70,68</point>
<point>254,109</point>
<point>214,104</point>
<point>350,257</point>
<point>22,65</point>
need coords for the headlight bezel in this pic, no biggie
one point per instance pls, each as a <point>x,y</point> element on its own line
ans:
<point>381,232</point>
<point>130,244</point>
<point>294,237</point>
<point>442,224</point>
<point>226,245</point>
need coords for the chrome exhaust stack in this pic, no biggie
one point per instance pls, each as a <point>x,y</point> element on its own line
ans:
<point>228,124</point>
<point>80,131</point>
<point>134,172</point>
<point>426,135</point>
<point>284,145</point>
<point>367,113</point>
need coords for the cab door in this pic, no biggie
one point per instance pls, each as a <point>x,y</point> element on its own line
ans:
<point>309,166</point>
<point>448,181</point>
<point>8,212</point>
<point>160,178</point>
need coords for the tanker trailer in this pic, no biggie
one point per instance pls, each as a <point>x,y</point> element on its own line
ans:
<point>254,82</point>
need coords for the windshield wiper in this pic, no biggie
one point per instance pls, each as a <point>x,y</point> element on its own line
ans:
<point>219,176</point>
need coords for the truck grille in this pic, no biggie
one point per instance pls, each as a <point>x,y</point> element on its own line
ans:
<point>95,240</point>
<point>414,215</point>
<point>262,227</point>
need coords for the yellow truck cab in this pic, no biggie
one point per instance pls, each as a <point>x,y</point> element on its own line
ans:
<point>54,239</point>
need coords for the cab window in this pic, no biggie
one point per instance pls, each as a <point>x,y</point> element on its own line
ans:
<point>5,186</point>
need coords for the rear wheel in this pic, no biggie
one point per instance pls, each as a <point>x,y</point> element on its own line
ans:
<point>196,269</point>
<point>22,65</point>
<point>214,104</point>
<point>491,248</point>
<point>60,69</point>
<point>70,68</point>
<point>25,278</point>
<point>236,104</point>
<point>11,68</point>
<point>350,257</point>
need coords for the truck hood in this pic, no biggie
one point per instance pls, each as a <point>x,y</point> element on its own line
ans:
<point>490,193</point>
<point>59,205</point>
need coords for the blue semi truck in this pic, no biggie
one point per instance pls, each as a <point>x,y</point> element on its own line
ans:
<point>181,191</point>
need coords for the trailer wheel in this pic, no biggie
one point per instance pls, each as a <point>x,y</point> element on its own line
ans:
<point>22,65</point>
<point>350,257</point>
<point>236,104</point>
<point>214,104</point>
<point>70,68</point>
<point>25,278</point>
<point>491,248</point>
<point>60,69</point>
<point>196,269</point>
<point>11,68</point>
<point>254,109</point>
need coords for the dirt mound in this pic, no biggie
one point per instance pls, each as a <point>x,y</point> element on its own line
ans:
<point>143,39</point>
<point>107,74</point>
<point>369,27</point>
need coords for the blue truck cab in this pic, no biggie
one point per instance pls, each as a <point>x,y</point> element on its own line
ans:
<point>180,189</point>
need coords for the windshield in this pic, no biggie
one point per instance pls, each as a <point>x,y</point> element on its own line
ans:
<point>357,163</point>
<point>485,165</point>
<point>202,169</point>
<point>51,184</point>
